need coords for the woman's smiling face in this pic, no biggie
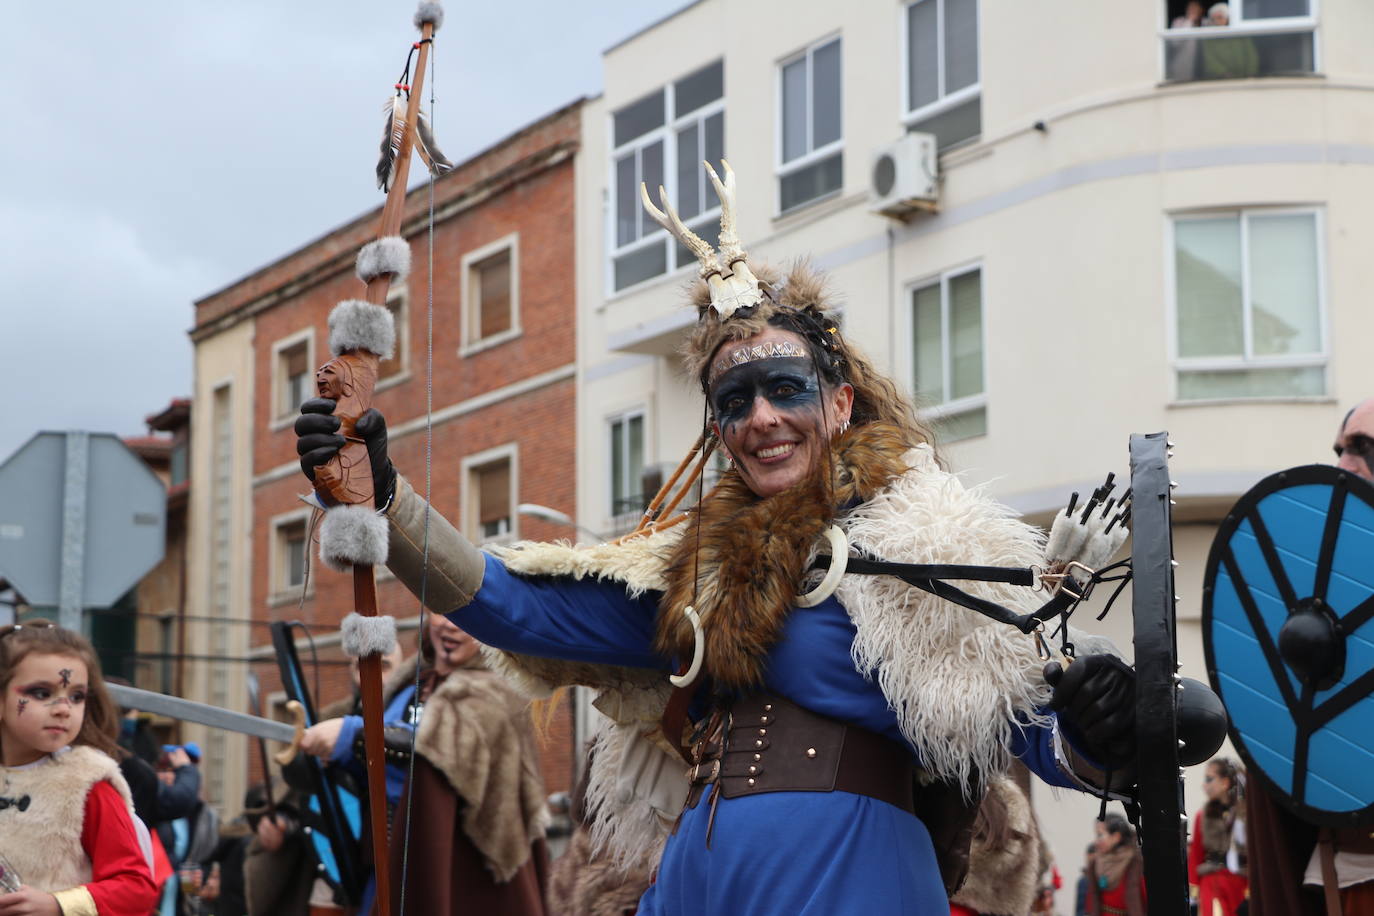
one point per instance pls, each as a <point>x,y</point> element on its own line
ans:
<point>771,411</point>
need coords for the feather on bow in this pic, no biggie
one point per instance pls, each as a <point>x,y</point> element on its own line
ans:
<point>394,133</point>
<point>429,151</point>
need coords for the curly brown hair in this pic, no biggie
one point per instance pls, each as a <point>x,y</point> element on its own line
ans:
<point>100,726</point>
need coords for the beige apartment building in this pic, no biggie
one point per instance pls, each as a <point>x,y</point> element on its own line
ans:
<point>1128,227</point>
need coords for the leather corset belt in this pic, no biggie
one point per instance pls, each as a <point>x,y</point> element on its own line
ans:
<point>766,743</point>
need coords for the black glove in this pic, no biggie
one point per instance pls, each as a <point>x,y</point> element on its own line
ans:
<point>318,441</point>
<point>1095,700</point>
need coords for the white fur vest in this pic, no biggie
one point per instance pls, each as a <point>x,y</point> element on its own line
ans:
<point>43,841</point>
<point>957,681</point>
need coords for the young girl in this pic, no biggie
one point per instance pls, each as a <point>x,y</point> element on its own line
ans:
<point>1216,852</point>
<point>66,818</point>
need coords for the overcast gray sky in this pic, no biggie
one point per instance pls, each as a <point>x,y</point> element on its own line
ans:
<point>156,152</point>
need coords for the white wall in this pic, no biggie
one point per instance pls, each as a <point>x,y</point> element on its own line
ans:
<point>224,359</point>
<point>1070,225</point>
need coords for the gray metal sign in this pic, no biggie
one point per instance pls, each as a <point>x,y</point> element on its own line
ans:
<point>82,518</point>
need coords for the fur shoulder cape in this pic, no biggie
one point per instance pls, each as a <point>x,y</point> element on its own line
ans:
<point>476,731</point>
<point>1003,878</point>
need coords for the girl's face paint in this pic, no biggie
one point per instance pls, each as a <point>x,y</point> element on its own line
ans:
<point>50,692</point>
<point>773,415</point>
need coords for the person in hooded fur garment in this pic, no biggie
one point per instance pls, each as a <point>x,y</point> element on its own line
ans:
<point>835,736</point>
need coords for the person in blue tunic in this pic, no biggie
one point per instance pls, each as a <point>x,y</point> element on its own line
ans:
<point>836,729</point>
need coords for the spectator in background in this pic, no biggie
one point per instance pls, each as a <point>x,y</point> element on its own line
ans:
<point>1116,874</point>
<point>1185,58</point>
<point>1080,899</point>
<point>1006,858</point>
<point>157,801</point>
<point>1284,851</point>
<point>278,866</point>
<point>585,883</point>
<point>338,740</point>
<point>1192,17</point>
<point>353,703</point>
<point>1229,58</point>
<point>1351,849</point>
<point>223,889</point>
<point>1216,851</point>
<point>188,840</point>
<point>477,805</point>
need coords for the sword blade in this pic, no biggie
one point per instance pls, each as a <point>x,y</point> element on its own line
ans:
<point>201,713</point>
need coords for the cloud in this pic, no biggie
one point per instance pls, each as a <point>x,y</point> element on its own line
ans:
<point>95,323</point>
<point>166,150</point>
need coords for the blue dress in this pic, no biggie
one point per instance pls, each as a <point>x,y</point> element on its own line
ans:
<point>777,852</point>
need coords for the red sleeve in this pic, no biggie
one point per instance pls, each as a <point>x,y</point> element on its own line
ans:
<point>1195,851</point>
<point>121,884</point>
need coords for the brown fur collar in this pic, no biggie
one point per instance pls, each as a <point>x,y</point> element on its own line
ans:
<point>742,566</point>
<point>1218,824</point>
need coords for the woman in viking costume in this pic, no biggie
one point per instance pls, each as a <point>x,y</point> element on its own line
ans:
<point>836,735</point>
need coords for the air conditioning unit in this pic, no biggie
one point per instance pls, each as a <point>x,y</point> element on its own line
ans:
<point>903,179</point>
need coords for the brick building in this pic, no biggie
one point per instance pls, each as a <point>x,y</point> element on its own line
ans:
<point>502,428</point>
<point>160,597</point>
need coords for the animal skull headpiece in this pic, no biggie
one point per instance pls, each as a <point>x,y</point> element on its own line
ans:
<point>726,272</point>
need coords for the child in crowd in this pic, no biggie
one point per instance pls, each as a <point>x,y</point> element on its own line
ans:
<point>66,818</point>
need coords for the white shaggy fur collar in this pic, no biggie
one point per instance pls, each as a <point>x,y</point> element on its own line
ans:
<point>957,680</point>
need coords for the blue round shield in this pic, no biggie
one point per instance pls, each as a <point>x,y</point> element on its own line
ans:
<point>1288,628</point>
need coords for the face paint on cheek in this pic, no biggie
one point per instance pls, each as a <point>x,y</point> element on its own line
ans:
<point>789,386</point>
<point>23,702</point>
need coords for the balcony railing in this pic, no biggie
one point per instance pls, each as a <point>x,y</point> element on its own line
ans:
<point>1241,51</point>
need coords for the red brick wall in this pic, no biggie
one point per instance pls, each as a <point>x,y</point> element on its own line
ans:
<point>530,192</point>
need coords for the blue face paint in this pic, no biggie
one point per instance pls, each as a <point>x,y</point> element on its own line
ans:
<point>788,384</point>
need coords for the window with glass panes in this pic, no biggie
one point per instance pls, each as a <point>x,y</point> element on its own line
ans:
<point>627,463</point>
<point>1258,38</point>
<point>942,85</point>
<point>947,353</point>
<point>811,135</point>
<point>1248,305</point>
<point>294,377</point>
<point>662,139</point>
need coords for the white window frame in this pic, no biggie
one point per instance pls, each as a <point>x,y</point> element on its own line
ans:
<point>470,463</point>
<point>667,133</point>
<point>783,169</point>
<point>912,116</point>
<point>283,417</point>
<point>947,408</point>
<point>399,293</point>
<point>1238,24</point>
<point>278,592</point>
<point>1247,361</point>
<point>470,260</point>
<point>623,416</point>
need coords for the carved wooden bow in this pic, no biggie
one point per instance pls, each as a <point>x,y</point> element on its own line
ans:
<point>349,378</point>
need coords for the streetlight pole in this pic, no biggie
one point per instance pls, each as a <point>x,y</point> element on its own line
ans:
<point>550,514</point>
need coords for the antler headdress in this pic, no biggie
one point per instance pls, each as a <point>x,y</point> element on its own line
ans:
<point>733,285</point>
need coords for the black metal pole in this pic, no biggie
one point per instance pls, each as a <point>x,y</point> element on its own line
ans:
<point>1163,824</point>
